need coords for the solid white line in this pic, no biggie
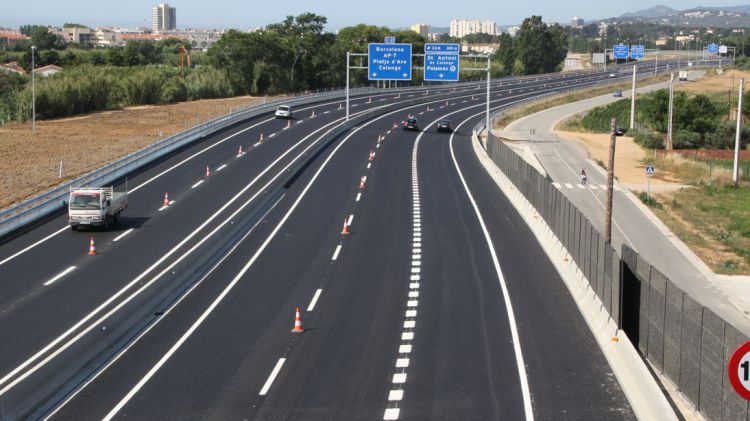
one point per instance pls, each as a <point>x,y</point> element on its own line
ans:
<point>358,196</point>
<point>22,251</point>
<point>272,377</point>
<point>520,365</point>
<point>235,280</point>
<point>351,218</point>
<point>336,252</point>
<point>135,281</point>
<point>221,167</point>
<point>314,300</point>
<point>197,184</point>
<point>119,237</point>
<point>60,275</point>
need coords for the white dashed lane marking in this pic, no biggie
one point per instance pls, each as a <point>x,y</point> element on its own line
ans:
<point>60,275</point>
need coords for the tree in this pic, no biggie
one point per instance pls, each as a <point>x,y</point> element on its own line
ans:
<point>45,40</point>
<point>540,48</point>
<point>506,54</point>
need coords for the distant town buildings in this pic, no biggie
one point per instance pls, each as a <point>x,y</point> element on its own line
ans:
<point>576,22</point>
<point>75,34</point>
<point>163,18</point>
<point>513,30</point>
<point>421,29</point>
<point>10,38</point>
<point>462,27</point>
<point>48,70</point>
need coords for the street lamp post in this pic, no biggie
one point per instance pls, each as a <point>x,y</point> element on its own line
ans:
<point>33,92</point>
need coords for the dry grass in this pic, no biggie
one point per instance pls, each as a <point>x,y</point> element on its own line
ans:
<point>690,171</point>
<point>31,161</point>
<point>715,82</point>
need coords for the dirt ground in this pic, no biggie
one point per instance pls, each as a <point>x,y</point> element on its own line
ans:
<point>629,168</point>
<point>31,161</point>
<point>720,81</point>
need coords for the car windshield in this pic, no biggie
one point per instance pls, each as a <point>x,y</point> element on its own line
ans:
<point>283,108</point>
<point>445,122</point>
<point>412,121</point>
<point>88,201</point>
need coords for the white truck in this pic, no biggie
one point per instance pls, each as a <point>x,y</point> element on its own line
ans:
<point>683,76</point>
<point>95,206</point>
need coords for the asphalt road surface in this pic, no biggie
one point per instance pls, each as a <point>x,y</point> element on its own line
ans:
<point>438,303</point>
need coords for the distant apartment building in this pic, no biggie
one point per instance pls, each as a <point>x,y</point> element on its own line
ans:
<point>79,35</point>
<point>108,38</point>
<point>513,30</point>
<point>461,27</point>
<point>163,18</point>
<point>479,48</point>
<point>576,22</point>
<point>421,29</point>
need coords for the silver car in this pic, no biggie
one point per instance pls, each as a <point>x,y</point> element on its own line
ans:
<point>284,111</point>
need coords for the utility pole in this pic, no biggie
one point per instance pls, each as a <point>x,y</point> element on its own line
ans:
<point>33,91</point>
<point>487,123</point>
<point>610,183</point>
<point>632,100</point>
<point>736,167</point>
<point>670,146</point>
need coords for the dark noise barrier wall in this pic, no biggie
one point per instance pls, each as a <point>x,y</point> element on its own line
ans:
<point>681,339</point>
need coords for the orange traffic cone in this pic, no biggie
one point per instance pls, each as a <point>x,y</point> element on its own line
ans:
<point>446,103</point>
<point>313,114</point>
<point>345,230</point>
<point>166,199</point>
<point>261,137</point>
<point>362,183</point>
<point>289,124</point>
<point>369,100</point>
<point>395,126</point>
<point>428,108</point>
<point>372,155</point>
<point>239,152</point>
<point>92,248</point>
<point>297,323</point>
<point>340,106</point>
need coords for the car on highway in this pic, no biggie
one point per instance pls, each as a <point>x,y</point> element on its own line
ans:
<point>411,123</point>
<point>617,94</point>
<point>612,75</point>
<point>445,126</point>
<point>620,131</point>
<point>283,111</point>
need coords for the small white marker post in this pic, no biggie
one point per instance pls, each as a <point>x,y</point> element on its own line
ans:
<point>650,170</point>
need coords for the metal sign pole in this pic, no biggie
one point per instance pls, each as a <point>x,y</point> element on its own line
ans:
<point>347,86</point>
<point>487,123</point>
<point>632,100</point>
<point>736,167</point>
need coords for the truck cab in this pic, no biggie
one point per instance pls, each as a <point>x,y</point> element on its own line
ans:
<point>95,206</point>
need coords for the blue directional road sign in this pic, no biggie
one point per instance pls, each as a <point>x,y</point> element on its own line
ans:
<point>637,52</point>
<point>389,40</point>
<point>442,48</point>
<point>620,52</point>
<point>389,61</point>
<point>713,48</point>
<point>441,67</point>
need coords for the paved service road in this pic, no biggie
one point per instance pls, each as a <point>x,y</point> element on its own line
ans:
<point>421,311</point>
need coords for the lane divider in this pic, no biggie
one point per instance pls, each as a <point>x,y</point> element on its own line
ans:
<point>60,275</point>
<point>396,394</point>
<point>272,376</point>
<point>119,237</point>
<point>315,298</point>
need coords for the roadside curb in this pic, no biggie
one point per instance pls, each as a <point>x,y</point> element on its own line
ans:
<point>645,397</point>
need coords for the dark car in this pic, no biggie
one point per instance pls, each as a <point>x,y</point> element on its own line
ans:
<point>444,126</point>
<point>411,124</point>
<point>620,131</point>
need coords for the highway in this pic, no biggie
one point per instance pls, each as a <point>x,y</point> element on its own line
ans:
<point>437,305</point>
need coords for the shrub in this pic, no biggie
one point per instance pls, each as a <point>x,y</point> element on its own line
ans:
<point>649,140</point>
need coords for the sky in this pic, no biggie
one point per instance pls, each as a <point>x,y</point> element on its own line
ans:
<point>250,14</point>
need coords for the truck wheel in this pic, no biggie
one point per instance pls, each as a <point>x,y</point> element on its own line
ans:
<point>74,228</point>
<point>106,222</point>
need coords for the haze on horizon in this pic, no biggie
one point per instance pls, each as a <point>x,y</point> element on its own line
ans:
<point>340,13</point>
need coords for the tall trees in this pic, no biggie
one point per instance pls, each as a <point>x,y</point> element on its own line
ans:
<point>537,48</point>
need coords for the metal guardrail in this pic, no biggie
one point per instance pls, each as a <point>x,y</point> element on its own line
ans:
<point>50,201</point>
<point>497,112</point>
